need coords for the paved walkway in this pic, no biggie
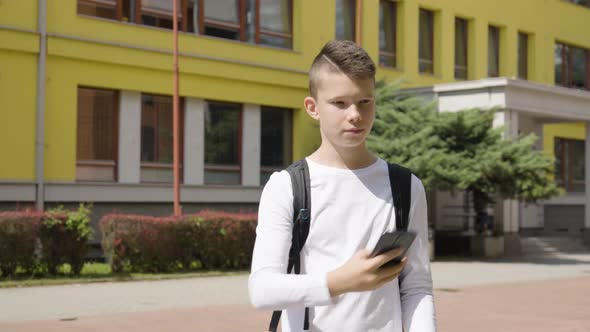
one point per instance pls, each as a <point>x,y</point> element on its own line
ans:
<point>546,293</point>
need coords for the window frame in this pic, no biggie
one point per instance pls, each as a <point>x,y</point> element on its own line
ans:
<point>110,4</point>
<point>227,168</point>
<point>287,112</point>
<point>355,8</point>
<point>524,57</point>
<point>565,179</point>
<point>431,33</point>
<point>465,36</point>
<point>390,55</point>
<point>266,170</point>
<point>100,162</point>
<point>257,28</point>
<point>162,165</point>
<point>494,40</point>
<point>567,66</point>
<point>241,27</point>
<point>138,11</point>
<point>587,5</point>
<point>182,15</point>
<point>134,13</point>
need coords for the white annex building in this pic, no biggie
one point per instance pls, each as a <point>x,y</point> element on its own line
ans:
<point>523,107</point>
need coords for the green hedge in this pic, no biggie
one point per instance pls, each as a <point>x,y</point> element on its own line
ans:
<point>64,238</point>
<point>212,239</point>
<point>41,241</point>
<point>19,234</point>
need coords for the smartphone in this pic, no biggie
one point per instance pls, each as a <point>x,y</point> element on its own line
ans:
<point>393,240</point>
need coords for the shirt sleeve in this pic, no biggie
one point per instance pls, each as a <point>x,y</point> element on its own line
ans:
<point>269,285</point>
<point>416,279</point>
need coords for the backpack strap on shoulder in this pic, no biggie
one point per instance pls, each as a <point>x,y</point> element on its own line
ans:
<point>300,182</point>
<point>299,173</point>
<point>400,179</point>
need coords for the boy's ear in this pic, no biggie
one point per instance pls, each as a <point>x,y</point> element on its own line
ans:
<point>311,107</point>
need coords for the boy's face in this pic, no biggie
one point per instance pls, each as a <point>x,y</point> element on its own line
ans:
<point>344,107</point>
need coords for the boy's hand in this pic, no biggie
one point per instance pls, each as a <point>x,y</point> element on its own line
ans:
<point>362,272</point>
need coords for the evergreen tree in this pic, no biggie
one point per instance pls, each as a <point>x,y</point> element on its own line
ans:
<point>459,151</point>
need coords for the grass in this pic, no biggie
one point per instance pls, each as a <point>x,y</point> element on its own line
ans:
<point>101,272</point>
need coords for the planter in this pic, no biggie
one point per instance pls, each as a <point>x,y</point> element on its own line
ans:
<point>487,246</point>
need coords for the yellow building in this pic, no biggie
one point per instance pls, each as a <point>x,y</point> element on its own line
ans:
<point>86,85</point>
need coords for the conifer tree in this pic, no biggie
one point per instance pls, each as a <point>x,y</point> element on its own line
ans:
<point>459,151</point>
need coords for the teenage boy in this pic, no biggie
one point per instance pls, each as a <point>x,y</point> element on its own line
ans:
<point>343,286</point>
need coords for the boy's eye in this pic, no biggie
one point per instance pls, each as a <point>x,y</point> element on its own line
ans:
<point>339,103</point>
<point>365,101</point>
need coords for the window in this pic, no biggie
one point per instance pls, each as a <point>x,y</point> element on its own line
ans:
<point>159,13</point>
<point>426,42</point>
<point>581,2</point>
<point>493,51</point>
<point>157,138</point>
<point>572,66</point>
<point>387,33</point>
<point>222,18</point>
<point>276,140</point>
<point>346,19</point>
<point>223,141</point>
<point>99,8</point>
<point>275,21</point>
<point>460,48</point>
<point>523,54</point>
<point>265,22</point>
<point>120,10</point>
<point>97,129</point>
<point>569,164</point>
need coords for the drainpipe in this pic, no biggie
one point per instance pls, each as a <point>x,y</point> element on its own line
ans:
<point>40,113</point>
<point>175,114</point>
<point>358,21</point>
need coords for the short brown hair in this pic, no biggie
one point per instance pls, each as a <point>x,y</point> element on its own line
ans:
<point>341,56</point>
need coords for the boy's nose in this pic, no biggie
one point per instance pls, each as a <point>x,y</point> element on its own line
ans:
<point>353,114</point>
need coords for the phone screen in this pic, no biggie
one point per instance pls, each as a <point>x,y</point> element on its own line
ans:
<point>392,240</point>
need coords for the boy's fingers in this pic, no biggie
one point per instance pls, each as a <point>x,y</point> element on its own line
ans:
<point>387,256</point>
<point>394,252</point>
<point>390,273</point>
<point>365,253</point>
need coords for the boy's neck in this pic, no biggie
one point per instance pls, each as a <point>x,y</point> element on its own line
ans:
<point>350,158</point>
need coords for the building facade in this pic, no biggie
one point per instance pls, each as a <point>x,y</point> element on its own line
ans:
<point>86,85</point>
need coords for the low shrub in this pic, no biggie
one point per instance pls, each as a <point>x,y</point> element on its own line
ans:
<point>218,240</point>
<point>19,233</point>
<point>226,239</point>
<point>138,243</point>
<point>64,238</point>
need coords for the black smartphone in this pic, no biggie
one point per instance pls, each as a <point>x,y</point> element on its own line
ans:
<point>393,240</point>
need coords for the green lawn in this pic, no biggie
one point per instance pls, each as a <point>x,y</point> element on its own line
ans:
<point>100,272</point>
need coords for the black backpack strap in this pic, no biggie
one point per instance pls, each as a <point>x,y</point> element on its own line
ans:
<point>299,173</point>
<point>400,179</point>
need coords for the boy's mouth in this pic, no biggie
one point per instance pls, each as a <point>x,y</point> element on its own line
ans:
<point>354,131</point>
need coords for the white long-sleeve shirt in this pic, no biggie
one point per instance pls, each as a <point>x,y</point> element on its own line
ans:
<point>350,209</point>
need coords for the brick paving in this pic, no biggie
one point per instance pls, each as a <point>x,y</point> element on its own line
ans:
<point>558,305</point>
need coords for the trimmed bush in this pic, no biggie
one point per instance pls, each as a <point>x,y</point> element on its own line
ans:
<point>150,244</point>
<point>64,238</point>
<point>19,232</point>
<point>138,243</point>
<point>226,240</point>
